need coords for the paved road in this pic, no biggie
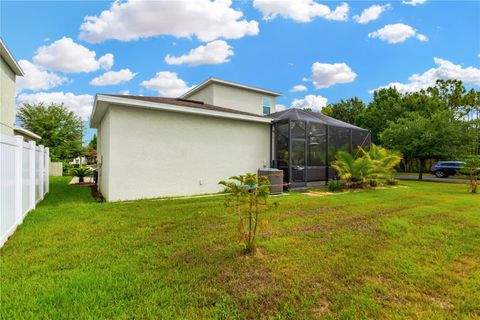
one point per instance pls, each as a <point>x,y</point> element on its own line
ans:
<point>430,178</point>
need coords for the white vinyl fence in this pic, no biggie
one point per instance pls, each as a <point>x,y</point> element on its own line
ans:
<point>23,181</point>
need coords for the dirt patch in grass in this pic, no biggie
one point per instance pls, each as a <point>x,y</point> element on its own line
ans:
<point>328,193</point>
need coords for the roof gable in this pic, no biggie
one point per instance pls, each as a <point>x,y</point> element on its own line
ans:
<point>211,81</point>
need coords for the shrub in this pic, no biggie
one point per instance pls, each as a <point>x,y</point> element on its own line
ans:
<point>335,186</point>
<point>373,183</point>
<point>81,173</point>
<point>248,194</point>
<point>370,168</point>
<point>67,168</point>
<point>472,170</point>
<point>391,181</point>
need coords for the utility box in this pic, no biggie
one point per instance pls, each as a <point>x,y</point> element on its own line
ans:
<point>275,176</point>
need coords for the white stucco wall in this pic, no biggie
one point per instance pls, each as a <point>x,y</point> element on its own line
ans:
<point>205,95</point>
<point>240,99</point>
<point>160,153</point>
<point>234,98</point>
<point>7,98</point>
<point>103,153</point>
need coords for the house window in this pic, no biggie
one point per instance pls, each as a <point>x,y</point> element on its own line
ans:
<point>267,105</point>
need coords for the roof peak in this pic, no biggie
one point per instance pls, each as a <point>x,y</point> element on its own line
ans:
<point>228,83</point>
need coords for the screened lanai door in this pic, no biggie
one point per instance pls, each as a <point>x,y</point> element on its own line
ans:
<point>303,145</point>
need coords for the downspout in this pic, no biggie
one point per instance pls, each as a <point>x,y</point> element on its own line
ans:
<point>327,168</point>
<point>271,146</point>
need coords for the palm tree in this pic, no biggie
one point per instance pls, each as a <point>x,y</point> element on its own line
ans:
<point>374,165</point>
<point>384,160</point>
<point>81,173</point>
<point>355,172</point>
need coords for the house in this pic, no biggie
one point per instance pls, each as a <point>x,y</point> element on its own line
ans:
<point>10,69</point>
<point>23,165</point>
<point>152,147</point>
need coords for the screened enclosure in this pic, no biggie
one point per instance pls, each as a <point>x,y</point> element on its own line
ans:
<point>305,143</point>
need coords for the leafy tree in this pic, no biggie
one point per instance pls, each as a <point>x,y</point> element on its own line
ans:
<point>422,137</point>
<point>61,130</point>
<point>93,143</point>
<point>452,93</point>
<point>350,110</point>
<point>385,106</point>
<point>389,105</point>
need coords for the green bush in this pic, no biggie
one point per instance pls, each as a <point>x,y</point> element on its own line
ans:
<point>67,168</point>
<point>391,181</point>
<point>373,183</point>
<point>367,168</point>
<point>335,186</point>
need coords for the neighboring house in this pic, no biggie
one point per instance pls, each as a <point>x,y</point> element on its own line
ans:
<point>79,160</point>
<point>10,69</point>
<point>152,147</point>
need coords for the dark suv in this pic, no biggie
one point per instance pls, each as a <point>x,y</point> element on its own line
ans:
<point>443,169</point>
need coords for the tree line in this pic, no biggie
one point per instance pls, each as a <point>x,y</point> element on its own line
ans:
<point>439,123</point>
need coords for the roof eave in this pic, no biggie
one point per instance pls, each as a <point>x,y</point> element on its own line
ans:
<point>10,60</point>
<point>26,132</point>
<point>103,101</point>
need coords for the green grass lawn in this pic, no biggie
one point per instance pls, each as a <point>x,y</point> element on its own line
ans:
<point>410,252</point>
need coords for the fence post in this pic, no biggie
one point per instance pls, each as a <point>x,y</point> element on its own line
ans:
<point>47,169</point>
<point>42,170</point>
<point>18,166</point>
<point>32,174</point>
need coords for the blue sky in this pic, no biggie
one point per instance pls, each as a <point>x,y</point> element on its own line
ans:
<point>329,50</point>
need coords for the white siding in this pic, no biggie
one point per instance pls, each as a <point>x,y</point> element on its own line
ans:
<point>158,153</point>
<point>103,153</point>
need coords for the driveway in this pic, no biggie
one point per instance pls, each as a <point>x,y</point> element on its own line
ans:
<point>427,177</point>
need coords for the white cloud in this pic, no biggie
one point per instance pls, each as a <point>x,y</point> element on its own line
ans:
<point>106,61</point>
<point>298,88</point>
<point>132,20</point>
<point>396,33</point>
<point>113,77</point>
<point>445,70</point>
<point>316,103</point>
<point>36,78</point>
<point>67,56</point>
<point>80,104</point>
<point>300,10</point>
<point>340,13</point>
<point>371,13</point>
<point>280,107</point>
<point>167,84</point>
<point>215,52</point>
<point>422,37</point>
<point>325,75</point>
<point>414,2</point>
<point>125,92</point>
